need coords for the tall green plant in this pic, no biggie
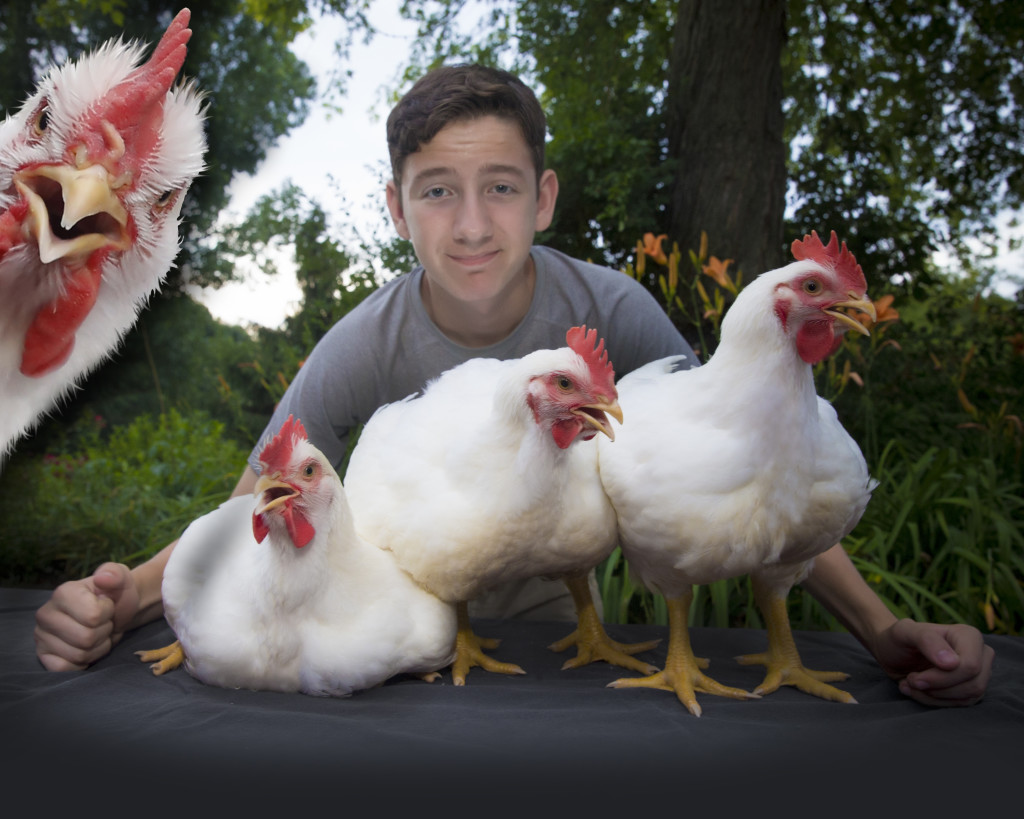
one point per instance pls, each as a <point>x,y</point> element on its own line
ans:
<point>943,539</point>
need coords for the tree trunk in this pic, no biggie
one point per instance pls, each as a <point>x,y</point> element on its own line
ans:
<point>725,129</point>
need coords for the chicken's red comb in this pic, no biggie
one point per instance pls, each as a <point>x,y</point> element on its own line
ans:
<point>278,451</point>
<point>582,342</point>
<point>152,80</point>
<point>833,256</point>
<point>138,99</point>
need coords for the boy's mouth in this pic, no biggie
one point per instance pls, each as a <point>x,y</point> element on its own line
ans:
<point>474,260</point>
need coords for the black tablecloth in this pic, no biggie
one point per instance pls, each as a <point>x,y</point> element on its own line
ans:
<point>528,742</point>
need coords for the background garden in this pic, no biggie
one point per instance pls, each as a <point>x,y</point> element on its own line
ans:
<point>693,144</point>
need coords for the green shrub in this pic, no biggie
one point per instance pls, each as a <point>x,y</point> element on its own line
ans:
<point>119,494</point>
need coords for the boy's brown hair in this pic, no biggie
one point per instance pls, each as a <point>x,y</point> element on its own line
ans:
<point>457,93</point>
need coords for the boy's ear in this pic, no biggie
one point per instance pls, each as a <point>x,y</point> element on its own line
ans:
<point>547,194</point>
<point>394,199</point>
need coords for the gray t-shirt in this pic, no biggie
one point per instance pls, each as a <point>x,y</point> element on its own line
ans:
<point>388,348</point>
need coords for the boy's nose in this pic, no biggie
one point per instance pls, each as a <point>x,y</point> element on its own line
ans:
<point>472,221</point>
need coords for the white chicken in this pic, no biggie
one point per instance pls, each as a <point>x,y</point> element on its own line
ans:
<point>93,170</point>
<point>490,476</point>
<point>277,592</point>
<point>739,467</point>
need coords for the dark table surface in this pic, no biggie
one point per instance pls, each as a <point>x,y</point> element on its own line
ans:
<point>548,738</point>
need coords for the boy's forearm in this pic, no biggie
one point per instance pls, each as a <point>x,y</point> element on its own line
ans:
<point>149,581</point>
<point>838,586</point>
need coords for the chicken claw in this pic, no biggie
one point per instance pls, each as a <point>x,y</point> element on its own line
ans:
<point>685,681</point>
<point>163,659</point>
<point>592,641</point>
<point>782,658</point>
<point>803,679</point>
<point>469,651</point>
<point>682,672</point>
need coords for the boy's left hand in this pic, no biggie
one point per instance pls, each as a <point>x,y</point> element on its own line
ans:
<point>936,664</point>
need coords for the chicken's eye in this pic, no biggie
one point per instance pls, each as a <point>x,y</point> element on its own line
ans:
<point>812,287</point>
<point>42,121</point>
<point>564,383</point>
<point>309,470</point>
<point>165,200</point>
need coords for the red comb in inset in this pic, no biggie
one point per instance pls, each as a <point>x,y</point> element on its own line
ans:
<point>582,342</point>
<point>135,105</point>
<point>153,78</point>
<point>277,453</point>
<point>833,256</point>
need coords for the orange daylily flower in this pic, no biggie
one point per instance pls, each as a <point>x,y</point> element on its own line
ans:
<point>652,247</point>
<point>719,271</point>
<point>883,312</point>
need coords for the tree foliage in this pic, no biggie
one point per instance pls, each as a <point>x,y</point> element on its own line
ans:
<point>906,123</point>
<point>903,120</point>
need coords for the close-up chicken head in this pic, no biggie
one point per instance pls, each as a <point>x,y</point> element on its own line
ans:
<point>94,168</point>
<point>97,176</point>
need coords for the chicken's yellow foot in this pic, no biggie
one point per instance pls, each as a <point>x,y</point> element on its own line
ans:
<point>682,673</point>
<point>592,641</point>
<point>782,660</point>
<point>428,676</point>
<point>469,651</point>
<point>163,659</point>
<point>804,679</point>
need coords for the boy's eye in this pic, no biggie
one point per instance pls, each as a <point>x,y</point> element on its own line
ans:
<point>503,188</point>
<point>435,193</point>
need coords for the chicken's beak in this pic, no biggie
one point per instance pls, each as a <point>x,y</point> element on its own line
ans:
<point>595,415</point>
<point>855,302</point>
<point>74,211</point>
<point>272,492</point>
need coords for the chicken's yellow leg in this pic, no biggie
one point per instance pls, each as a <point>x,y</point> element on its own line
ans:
<point>164,659</point>
<point>782,658</point>
<point>469,650</point>
<point>592,641</point>
<point>682,672</point>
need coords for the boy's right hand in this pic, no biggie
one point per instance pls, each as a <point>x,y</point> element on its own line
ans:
<point>84,619</point>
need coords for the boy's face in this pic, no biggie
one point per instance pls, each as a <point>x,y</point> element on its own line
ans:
<point>469,202</point>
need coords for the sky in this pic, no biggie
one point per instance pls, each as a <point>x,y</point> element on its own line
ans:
<point>328,155</point>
